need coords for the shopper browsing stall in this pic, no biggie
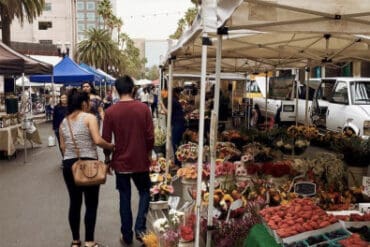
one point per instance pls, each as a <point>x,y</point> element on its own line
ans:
<point>60,111</point>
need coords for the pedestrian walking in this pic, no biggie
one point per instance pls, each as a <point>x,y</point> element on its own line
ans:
<point>96,103</point>
<point>84,127</point>
<point>60,111</point>
<point>134,143</point>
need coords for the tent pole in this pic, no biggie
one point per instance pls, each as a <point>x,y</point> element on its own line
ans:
<point>201,136</point>
<point>24,124</point>
<point>169,117</point>
<point>213,141</point>
<point>308,69</point>
<point>266,85</point>
<point>296,95</point>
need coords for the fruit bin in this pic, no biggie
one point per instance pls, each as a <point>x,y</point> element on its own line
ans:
<point>329,239</point>
<point>306,235</point>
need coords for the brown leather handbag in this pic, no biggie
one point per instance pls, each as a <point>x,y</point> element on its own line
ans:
<point>87,172</point>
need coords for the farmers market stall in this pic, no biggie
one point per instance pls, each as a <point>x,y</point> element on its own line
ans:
<point>293,58</point>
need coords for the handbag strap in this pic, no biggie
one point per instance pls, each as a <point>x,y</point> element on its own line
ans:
<point>77,150</point>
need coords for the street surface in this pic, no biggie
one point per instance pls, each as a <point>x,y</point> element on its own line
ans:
<point>34,200</point>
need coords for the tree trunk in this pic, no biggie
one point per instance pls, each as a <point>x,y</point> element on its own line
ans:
<point>5,25</point>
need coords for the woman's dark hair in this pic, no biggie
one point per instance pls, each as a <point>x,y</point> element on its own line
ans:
<point>124,85</point>
<point>75,100</point>
<point>93,90</point>
<point>60,97</point>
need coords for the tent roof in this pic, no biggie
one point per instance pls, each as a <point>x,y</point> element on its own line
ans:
<point>265,35</point>
<point>110,79</point>
<point>66,72</point>
<point>98,76</point>
<point>12,62</point>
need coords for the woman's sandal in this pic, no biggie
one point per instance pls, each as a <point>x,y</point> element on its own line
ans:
<point>76,244</point>
<point>95,245</point>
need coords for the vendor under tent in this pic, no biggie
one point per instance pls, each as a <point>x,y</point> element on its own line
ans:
<point>67,72</point>
<point>291,17</point>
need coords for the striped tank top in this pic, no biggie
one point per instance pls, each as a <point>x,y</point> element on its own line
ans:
<point>82,137</point>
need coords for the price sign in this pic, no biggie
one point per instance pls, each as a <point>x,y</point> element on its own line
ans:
<point>366,184</point>
<point>305,188</point>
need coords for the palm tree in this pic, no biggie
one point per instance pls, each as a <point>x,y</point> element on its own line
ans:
<point>21,9</point>
<point>99,50</point>
<point>105,10</point>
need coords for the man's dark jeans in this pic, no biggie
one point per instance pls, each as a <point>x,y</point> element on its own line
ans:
<point>123,185</point>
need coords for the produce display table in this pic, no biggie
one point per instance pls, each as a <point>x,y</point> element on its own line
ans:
<point>12,135</point>
<point>9,136</point>
<point>259,237</point>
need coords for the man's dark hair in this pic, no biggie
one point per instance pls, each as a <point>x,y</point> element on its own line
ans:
<point>124,85</point>
<point>75,100</point>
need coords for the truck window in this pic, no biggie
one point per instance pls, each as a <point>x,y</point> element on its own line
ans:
<point>340,94</point>
<point>360,92</point>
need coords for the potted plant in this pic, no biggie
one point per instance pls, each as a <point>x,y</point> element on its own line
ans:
<point>356,154</point>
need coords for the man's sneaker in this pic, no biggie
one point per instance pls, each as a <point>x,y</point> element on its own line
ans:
<point>125,242</point>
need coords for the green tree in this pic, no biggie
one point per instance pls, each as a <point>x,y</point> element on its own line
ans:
<point>133,63</point>
<point>21,9</point>
<point>152,73</point>
<point>105,11</point>
<point>185,22</point>
<point>99,50</point>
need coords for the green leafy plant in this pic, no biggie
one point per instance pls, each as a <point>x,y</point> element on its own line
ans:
<point>355,150</point>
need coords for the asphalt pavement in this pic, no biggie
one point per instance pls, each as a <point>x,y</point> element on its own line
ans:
<point>34,200</point>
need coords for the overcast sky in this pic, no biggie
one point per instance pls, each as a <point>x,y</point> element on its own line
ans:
<point>151,19</point>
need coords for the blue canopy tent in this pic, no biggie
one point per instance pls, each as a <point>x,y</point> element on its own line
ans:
<point>67,72</point>
<point>108,78</point>
<point>100,78</point>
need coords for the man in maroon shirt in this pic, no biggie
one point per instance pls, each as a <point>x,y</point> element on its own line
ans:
<point>131,123</point>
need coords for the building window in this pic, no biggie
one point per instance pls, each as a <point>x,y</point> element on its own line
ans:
<point>90,5</point>
<point>46,41</point>
<point>90,25</point>
<point>45,25</point>
<point>47,7</point>
<point>81,27</point>
<point>90,16</point>
<point>81,16</point>
<point>80,6</point>
<point>81,37</point>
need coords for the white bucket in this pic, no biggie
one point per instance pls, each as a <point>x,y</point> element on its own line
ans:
<point>355,175</point>
<point>51,141</point>
<point>188,185</point>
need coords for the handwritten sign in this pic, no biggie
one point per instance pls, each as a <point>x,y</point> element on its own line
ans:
<point>366,184</point>
<point>305,188</point>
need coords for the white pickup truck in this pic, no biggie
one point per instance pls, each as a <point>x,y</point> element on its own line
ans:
<point>281,109</point>
<point>342,104</point>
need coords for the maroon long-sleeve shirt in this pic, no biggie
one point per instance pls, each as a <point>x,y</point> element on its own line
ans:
<point>132,126</point>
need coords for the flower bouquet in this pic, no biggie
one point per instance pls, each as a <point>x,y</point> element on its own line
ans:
<point>227,150</point>
<point>159,140</point>
<point>161,191</point>
<point>187,152</point>
<point>291,146</point>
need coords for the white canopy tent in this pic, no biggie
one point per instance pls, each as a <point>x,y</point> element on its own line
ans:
<point>286,33</point>
<point>143,82</point>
